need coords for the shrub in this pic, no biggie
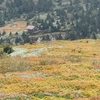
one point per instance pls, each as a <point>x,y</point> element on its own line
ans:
<point>8,49</point>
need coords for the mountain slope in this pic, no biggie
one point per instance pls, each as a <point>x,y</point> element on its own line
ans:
<point>63,70</point>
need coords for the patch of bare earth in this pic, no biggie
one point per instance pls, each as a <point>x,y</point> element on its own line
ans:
<point>14,27</point>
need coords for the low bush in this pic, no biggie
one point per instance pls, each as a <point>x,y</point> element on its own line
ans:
<point>8,49</point>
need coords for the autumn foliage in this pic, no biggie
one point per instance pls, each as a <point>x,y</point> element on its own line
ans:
<point>67,70</point>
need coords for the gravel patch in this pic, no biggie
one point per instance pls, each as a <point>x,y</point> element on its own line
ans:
<point>23,52</point>
<point>27,75</point>
<point>18,51</point>
<point>35,75</point>
<point>34,52</point>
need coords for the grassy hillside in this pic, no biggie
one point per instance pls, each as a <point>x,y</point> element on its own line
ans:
<point>55,70</point>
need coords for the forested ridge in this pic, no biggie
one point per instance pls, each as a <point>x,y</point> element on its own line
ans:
<point>81,17</point>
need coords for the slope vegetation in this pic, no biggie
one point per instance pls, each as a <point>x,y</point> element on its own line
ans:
<point>62,70</point>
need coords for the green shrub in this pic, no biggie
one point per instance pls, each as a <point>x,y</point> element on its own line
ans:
<point>8,49</point>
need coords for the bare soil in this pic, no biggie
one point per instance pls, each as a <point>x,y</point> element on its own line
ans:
<point>14,27</point>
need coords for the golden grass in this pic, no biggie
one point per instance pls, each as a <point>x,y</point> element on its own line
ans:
<point>69,70</point>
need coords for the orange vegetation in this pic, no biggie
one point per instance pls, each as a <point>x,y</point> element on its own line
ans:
<point>68,70</point>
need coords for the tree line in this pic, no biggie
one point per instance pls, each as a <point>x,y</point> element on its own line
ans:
<point>80,16</point>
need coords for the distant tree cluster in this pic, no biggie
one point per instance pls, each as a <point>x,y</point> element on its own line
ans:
<point>1,1</point>
<point>15,8</point>
<point>44,5</point>
<point>80,16</point>
<point>47,24</point>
